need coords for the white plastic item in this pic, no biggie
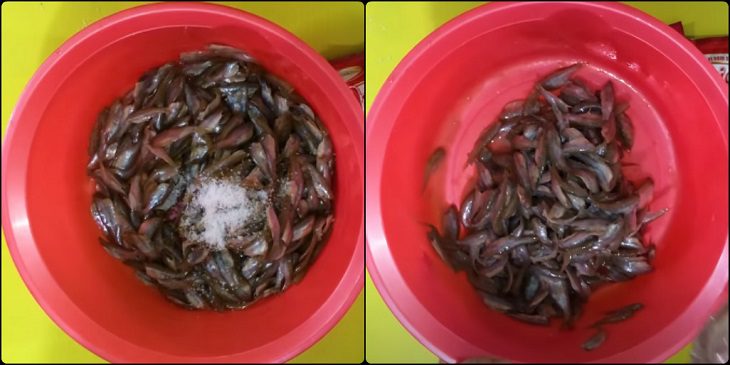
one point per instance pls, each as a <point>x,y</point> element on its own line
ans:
<point>711,346</point>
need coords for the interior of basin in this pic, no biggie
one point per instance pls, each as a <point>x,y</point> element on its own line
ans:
<point>59,197</point>
<point>461,87</point>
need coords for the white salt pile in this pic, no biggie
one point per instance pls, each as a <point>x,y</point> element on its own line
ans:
<point>219,209</point>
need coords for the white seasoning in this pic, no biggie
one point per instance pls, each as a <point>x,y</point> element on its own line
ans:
<point>219,209</point>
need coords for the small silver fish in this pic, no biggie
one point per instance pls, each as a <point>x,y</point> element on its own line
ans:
<point>595,341</point>
<point>433,163</point>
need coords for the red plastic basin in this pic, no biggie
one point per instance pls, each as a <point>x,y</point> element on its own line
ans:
<point>454,83</point>
<point>46,195</point>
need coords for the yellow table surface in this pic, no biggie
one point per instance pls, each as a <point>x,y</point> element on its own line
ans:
<point>30,32</point>
<point>392,29</point>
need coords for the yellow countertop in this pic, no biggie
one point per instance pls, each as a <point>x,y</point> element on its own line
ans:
<point>30,32</point>
<point>392,29</point>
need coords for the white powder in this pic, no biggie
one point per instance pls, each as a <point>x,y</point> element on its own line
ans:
<point>219,209</point>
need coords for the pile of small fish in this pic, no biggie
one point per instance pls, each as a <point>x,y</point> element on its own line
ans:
<point>550,216</point>
<point>215,113</point>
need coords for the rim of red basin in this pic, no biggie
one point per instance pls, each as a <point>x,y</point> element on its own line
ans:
<point>414,316</point>
<point>48,293</point>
